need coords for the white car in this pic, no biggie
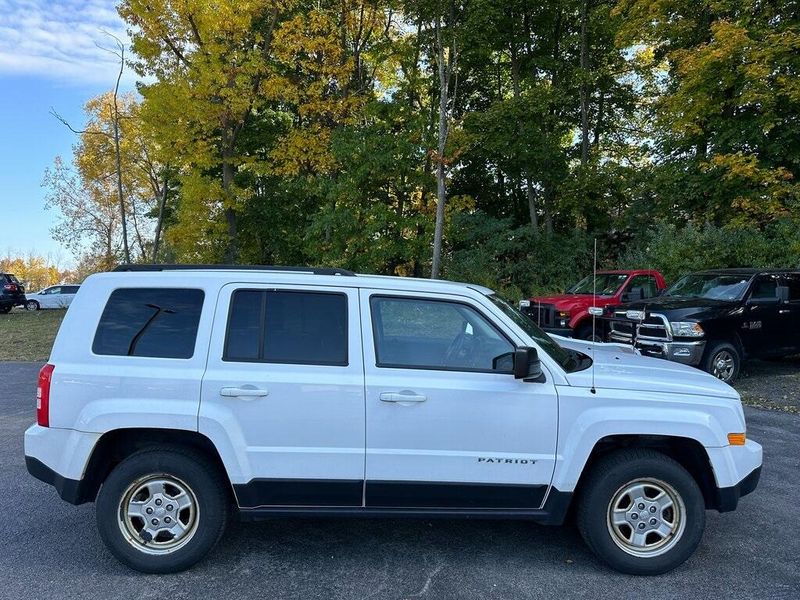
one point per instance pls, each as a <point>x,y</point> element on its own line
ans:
<point>175,397</point>
<point>56,296</point>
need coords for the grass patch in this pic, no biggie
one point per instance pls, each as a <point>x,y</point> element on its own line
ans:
<point>28,335</point>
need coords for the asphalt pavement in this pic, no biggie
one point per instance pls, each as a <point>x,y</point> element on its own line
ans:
<point>50,549</point>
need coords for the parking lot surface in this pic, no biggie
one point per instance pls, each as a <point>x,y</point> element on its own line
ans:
<point>49,549</point>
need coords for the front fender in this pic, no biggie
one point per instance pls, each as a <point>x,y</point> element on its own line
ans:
<point>586,418</point>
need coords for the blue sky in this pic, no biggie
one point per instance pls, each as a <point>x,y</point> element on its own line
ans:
<point>48,58</point>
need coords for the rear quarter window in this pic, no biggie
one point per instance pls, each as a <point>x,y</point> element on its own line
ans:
<point>153,322</point>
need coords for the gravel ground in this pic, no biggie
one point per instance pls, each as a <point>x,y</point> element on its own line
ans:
<point>51,549</point>
<point>771,384</point>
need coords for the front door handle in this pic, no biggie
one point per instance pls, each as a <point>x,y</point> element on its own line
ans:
<point>243,392</point>
<point>404,396</point>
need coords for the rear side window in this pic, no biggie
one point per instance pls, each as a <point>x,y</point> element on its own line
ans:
<point>308,328</point>
<point>69,289</point>
<point>155,322</point>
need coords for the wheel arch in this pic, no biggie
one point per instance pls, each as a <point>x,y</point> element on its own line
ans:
<point>116,445</point>
<point>687,452</point>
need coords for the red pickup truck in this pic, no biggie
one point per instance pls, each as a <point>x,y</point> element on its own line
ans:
<point>568,315</point>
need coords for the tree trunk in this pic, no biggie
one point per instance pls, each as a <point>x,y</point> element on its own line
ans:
<point>118,157</point>
<point>532,211</point>
<point>584,83</point>
<point>232,251</point>
<point>445,71</point>
<point>160,223</point>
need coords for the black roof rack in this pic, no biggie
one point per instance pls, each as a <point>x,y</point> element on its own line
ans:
<point>182,267</point>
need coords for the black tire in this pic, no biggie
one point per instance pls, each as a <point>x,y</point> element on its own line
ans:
<point>207,487</point>
<point>5,309</point>
<point>608,478</point>
<point>584,332</point>
<point>727,352</point>
<point>32,305</point>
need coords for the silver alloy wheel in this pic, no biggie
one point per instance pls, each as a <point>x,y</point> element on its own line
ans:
<point>646,517</point>
<point>31,305</point>
<point>158,514</point>
<point>723,365</point>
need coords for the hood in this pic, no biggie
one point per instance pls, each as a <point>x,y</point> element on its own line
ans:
<point>676,309</point>
<point>618,367</point>
<point>569,302</point>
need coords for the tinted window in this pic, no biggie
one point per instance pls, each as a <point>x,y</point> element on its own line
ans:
<point>642,286</point>
<point>793,282</point>
<point>69,289</point>
<point>765,286</point>
<point>157,322</point>
<point>287,327</point>
<point>430,334</point>
<point>53,290</point>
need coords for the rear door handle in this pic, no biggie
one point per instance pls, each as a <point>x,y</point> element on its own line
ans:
<point>404,396</point>
<point>243,392</point>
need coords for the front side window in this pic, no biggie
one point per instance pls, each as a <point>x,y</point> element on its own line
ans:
<point>308,328</point>
<point>154,322</point>
<point>433,334</point>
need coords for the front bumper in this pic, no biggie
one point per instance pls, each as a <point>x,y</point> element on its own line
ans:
<point>728,498</point>
<point>688,353</point>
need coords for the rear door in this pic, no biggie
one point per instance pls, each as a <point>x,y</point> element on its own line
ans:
<point>448,426</point>
<point>283,394</point>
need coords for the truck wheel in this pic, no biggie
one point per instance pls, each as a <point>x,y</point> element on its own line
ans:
<point>641,512</point>
<point>161,510</point>
<point>723,361</point>
<point>584,332</point>
<point>5,309</point>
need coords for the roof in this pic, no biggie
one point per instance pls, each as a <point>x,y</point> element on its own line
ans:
<point>747,271</point>
<point>321,276</point>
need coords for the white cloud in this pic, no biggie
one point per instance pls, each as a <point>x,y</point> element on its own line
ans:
<point>59,38</point>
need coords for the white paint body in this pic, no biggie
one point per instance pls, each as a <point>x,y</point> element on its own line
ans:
<point>328,422</point>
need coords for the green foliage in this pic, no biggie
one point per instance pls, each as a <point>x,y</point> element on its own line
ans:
<point>676,251</point>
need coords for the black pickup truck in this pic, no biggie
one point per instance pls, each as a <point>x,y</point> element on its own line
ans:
<point>716,319</point>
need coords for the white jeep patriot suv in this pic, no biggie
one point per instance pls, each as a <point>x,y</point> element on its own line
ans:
<point>176,396</point>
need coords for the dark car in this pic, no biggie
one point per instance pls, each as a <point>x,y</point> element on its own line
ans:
<point>12,292</point>
<point>716,319</point>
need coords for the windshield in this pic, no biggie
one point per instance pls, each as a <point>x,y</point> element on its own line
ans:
<point>714,286</point>
<point>568,359</point>
<point>607,284</point>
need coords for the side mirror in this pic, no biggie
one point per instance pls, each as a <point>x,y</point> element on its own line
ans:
<point>526,364</point>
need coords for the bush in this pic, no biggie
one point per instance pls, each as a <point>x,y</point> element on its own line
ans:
<point>676,251</point>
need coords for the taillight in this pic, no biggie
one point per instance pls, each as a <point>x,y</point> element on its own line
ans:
<point>43,395</point>
<point>11,287</point>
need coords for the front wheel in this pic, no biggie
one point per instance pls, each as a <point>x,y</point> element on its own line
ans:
<point>641,512</point>
<point>31,305</point>
<point>723,361</point>
<point>162,510</point>
<point>585,332</point>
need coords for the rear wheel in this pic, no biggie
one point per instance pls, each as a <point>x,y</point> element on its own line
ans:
<point>162,510</point>
<point>6,308</point>
<point>723,361</point>
<point>641,512</point>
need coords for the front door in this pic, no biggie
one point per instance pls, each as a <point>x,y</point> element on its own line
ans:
<point>448,426</point>
<point>767,322</point>
<point>283,394</point>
